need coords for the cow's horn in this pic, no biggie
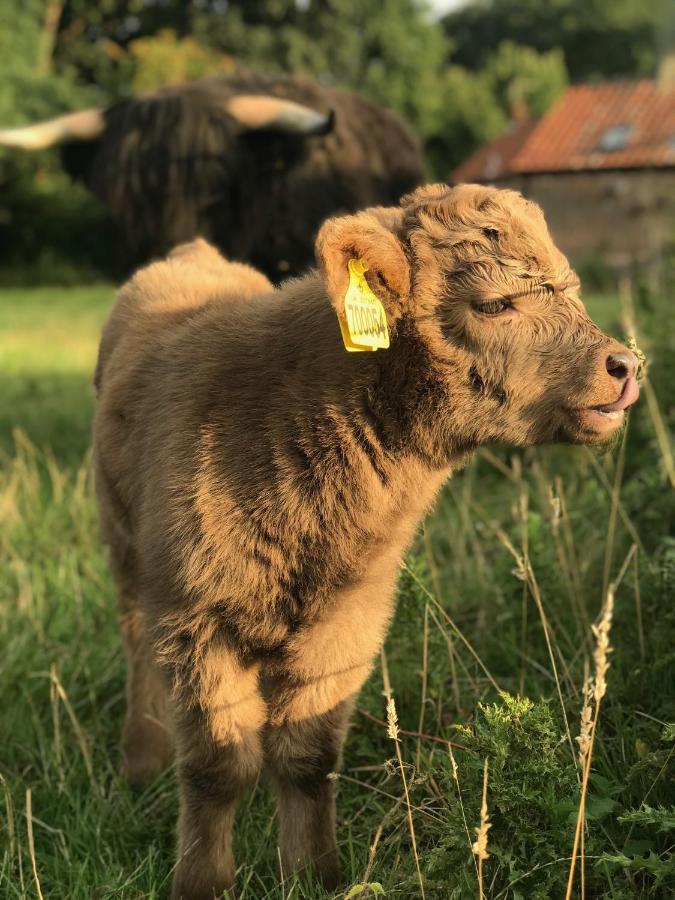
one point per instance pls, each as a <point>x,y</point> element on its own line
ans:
<point>261,112</point>
<point>78,126</point>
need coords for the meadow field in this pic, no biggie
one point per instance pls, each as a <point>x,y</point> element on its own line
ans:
<point>486,660</point>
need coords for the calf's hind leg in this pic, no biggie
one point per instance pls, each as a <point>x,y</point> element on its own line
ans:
<point>147,742</point>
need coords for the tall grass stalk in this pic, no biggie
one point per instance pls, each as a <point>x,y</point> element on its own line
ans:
<point>560,532</point>
<point>11,829</point>
<point>524,572</point>
<point>436,585</point>
<point>392,722</point>
<point>31,842</point>
<point>638,606</point>
<point>663,437</point>
<point>614,507</point>
<point>445,615</point>
<point>425,680</point>
<point>594,691</point>
<point>590,714</point>
<point>455,778</point>
<point>480,845</point>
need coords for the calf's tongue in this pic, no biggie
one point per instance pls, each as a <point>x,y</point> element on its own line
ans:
<point>629,395</point>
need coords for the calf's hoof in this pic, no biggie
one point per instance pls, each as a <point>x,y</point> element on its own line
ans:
<point>184,888</point>
<point>327,871</point>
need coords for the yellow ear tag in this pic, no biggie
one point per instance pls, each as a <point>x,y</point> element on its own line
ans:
<point>364,323</point>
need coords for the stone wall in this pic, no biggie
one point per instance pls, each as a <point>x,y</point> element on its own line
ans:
<point>624,218</point>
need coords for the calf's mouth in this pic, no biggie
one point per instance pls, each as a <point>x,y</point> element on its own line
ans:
<point>606,416</point>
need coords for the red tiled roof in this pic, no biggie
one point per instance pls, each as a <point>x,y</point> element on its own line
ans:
<point>493,161</point>
<point>569,137</point>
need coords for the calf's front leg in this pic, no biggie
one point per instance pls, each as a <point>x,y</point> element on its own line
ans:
<point>299,757</point>
<point>219,755</point>
<point>311,695</point>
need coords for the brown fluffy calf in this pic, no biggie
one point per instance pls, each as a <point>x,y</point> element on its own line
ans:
<point>258,485</point>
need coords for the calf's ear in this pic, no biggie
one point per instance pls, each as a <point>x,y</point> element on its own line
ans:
<point>368,236</point>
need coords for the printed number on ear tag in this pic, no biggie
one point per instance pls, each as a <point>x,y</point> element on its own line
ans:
<point>364,324</point>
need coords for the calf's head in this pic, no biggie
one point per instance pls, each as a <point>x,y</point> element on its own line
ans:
<point>471,275</point>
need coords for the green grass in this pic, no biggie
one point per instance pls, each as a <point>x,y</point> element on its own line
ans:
<point>467,624</point>
<point>48,345</point>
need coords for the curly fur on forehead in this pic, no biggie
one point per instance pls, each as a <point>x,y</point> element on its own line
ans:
<point>487,228</point>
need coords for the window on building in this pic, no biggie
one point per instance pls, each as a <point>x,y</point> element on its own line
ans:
<point>615,138</point>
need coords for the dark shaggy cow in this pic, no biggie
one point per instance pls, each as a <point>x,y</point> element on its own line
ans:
<point>253,163</point>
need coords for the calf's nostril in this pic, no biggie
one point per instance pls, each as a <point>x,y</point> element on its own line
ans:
<point>621,365</point>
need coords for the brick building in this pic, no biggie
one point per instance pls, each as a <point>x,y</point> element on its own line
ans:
<point>601,163</point>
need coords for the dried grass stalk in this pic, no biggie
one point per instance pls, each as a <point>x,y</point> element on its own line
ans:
<point>479,847</point>
<point>594,690</point>
<point>393,732</point>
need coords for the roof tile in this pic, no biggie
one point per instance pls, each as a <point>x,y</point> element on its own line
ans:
<point>493,161</point>
<point>568,138</point>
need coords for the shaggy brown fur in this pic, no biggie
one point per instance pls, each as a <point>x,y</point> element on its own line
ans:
<point>176,164</point>
<point>258,485</point>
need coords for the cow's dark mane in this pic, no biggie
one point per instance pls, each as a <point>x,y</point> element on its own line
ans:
<point>173,165</point>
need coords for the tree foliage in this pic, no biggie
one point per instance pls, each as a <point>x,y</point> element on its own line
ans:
<point>470,115</point>
<point>168,59</point>
<point>598,38</point>
<point>390,50</point>
<point>457,82</point>
<point>521,77</point>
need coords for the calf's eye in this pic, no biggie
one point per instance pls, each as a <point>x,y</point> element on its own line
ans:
<point>491,307</point>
